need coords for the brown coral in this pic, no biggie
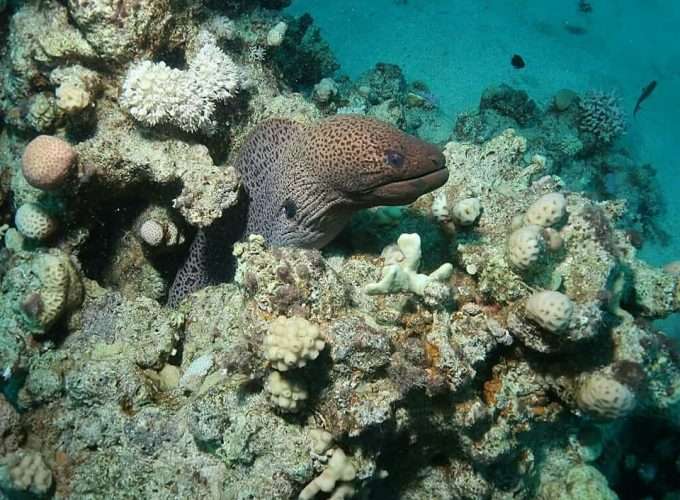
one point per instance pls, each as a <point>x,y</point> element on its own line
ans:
<point>47,162</point>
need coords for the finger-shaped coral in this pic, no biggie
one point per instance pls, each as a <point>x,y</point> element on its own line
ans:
<point>291,342</point>
<point>400,273</point>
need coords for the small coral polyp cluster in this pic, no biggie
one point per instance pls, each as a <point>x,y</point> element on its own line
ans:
<point>488,341</point>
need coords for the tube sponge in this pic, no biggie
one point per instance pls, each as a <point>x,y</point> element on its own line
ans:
<point>154,93</point>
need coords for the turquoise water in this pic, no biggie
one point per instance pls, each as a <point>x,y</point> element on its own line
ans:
<point>460,48</point>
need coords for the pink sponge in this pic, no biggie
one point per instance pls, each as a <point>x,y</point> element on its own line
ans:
<point>47,162</point>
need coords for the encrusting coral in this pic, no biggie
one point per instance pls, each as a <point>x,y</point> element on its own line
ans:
<point>504,340</point>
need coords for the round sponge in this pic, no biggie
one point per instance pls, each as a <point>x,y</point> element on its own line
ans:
<point>525,246</point>
<point>551,310</point>
<point>47,162</point>
<point>291,342</point>
<point>549,209</point>
<point>33,222</point>
<point>604,397</point>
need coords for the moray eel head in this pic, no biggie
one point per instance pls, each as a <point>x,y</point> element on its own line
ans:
<point>370,163</point>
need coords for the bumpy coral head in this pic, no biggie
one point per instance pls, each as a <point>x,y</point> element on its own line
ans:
<point>372,163</point>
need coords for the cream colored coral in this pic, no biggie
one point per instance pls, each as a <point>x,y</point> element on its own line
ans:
<point>291,342</point>
<point>549,209</point>
<point>61,290</point>
<point>466,212</point>
<point>286,394</point>
<point>276,35</point>
<point>551,310</point>
<point>47,162</point>
<point>34,222</point>
<point>72,98</point>
<point>602,396</point>
<point>14,240</point>
<point>325,90</point>
<point>400,273</point>
<point>525,246</point>
<point>151,232</point>
<point>340,469</point>
<point>440,208</point>
<point>25,472</point>
<point>321,441</point>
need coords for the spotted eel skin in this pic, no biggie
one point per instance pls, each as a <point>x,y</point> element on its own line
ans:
<point>304,182</point>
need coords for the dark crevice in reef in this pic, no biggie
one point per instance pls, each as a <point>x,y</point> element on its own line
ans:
<point>109,224</point>
<point>404,454</point>
<point>649,466</point>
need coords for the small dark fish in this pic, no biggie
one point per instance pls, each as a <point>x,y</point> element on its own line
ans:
<point>517,61</point>
<point>585,6</point>
<point>575,29</point>
<point>646,92</point>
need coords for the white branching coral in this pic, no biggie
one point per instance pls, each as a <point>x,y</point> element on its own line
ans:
<point>400,273</point>
<point>155,93</point>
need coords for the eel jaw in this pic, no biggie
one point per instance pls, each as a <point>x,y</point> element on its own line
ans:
<point>405,191</point>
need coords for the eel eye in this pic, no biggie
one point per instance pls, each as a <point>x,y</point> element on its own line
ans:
<point>394,158</point>
<point>289,208</point>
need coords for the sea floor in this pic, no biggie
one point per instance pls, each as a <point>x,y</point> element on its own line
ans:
<point>460,48</point>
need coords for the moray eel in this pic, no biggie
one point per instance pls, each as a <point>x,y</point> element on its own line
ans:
<point>304,182</point>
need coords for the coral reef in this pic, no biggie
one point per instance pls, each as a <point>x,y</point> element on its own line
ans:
<point>578,133</point>
<point>492,339</point>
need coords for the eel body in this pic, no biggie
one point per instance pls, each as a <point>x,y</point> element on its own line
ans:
<point>304,182</point>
